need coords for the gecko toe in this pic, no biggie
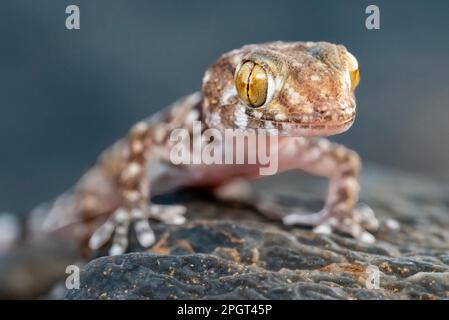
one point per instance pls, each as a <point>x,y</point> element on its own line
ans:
<point>313,219</point>
<point>367,217</point>
<point>366,237</point>
<point>116,250</point>
<point>323,229</point>
<point>144,233</point>
<point>102,235</point>
<point>120,241</point>
<point>117,226</point>
<point>170,214</point>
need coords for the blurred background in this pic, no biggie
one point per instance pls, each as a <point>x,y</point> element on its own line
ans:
<point>66,95</point>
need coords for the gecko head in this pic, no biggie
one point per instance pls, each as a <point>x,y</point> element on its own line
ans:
<point>298,88</point>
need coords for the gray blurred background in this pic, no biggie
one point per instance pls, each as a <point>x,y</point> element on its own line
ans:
<point>66,95</point>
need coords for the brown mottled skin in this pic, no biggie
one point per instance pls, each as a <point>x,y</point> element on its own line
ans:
<point>310,94</point>
<point>313,95</point>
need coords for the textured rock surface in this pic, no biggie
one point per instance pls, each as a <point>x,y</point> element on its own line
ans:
<point>229,251</point>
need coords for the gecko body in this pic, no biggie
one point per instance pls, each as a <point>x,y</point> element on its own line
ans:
<point>298,91</point>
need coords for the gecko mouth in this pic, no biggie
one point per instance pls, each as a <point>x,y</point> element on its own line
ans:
<point>298,128</point>
<point>314,128</point>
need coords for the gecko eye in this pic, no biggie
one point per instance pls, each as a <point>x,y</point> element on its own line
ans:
<point>355,78</point>
<point>354,71</point>
<point>251,82</point>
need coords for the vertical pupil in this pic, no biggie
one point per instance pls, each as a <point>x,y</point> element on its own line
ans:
<point>252,84</point>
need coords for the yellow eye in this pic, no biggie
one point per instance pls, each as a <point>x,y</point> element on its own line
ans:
<point>251,82</point>
<point>354,70</point>
<point>355,78</point>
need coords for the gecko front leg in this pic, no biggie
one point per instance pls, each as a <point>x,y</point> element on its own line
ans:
<point>342,167</point>
<point>134,191</point>
<point>318,157</point>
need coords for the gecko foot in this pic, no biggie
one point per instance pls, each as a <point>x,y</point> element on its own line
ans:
<point>358,223</point>
<point>122,218</point>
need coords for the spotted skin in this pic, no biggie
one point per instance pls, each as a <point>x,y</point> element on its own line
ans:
<point>310,95</point>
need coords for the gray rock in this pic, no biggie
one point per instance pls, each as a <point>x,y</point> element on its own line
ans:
<point>230,251</point>
<point>31,269</point>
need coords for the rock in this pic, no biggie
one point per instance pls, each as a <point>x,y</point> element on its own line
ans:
<point>230,251</point>
<point>31,269</point>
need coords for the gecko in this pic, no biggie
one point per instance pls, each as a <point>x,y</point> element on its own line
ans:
<point>302,92</point>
